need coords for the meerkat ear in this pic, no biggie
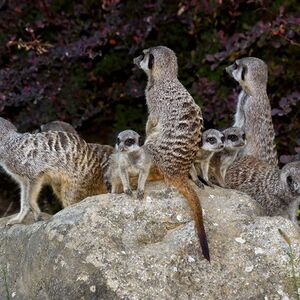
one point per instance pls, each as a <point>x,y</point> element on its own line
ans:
<point>150,61</point>
<point>244,72</point>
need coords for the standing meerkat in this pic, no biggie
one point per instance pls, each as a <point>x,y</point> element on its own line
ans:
<point>253,113</point>
<point>173,128</point>
<point>60,159</point>
<point>234,142</point>
<point>129,159</point>
<point>103,151</point>
<point>211,143</point>
<point>277,191</point>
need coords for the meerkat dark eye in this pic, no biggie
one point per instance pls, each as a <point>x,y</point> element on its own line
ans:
<point>233,137</point>
<point>244,72</point>
<point>211,140</point>
<point>129,142</point>
<point>290,183</point>
<point>151,61</point>
<point>244,136</point>
<point>223,139</point>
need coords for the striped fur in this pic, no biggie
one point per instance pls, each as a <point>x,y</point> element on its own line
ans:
<point>60,159</point>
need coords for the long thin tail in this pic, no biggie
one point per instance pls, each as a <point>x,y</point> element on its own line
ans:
<point>183,185</point>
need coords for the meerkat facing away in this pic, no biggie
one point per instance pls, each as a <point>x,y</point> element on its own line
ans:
<point>129,159</point>
<point>56,158</point>
<point>253,112</point>
<point>173,128</point>
<point>277,191</point>
<point>235,141</point>
<point>58,126</point>
<point>211,143</point>
<point>103,151</point>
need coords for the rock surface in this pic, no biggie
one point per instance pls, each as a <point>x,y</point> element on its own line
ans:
<point>116,247</point>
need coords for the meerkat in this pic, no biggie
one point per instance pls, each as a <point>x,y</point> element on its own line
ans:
<point>253,113</point>
<point>58,126</point>
<point>129,159</point>
<point>173,127</point>
<point>234,142</point>
<point>59,159</point>
<point>103,151</point>
<point>211,143</point>
<point>277,191</point>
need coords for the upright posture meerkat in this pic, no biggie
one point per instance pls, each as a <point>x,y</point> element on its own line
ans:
<point>234,142</point>
<point>128,160</point>
<point>211,143</point>
<point>60,159</point>
<point>103,151</point>
<point>253,112</point>
<point>278,191</point>
<point>173,128</point>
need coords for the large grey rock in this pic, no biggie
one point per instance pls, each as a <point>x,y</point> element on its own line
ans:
<point>116,247</point>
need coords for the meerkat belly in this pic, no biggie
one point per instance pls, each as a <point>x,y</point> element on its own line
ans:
<point>133,170</point>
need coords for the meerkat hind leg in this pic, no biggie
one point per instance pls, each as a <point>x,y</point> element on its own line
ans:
<point>125,181</point>
<point>204,170</point>
<point>143,175</point>
<point>194,176</point>
<point>25,207</point>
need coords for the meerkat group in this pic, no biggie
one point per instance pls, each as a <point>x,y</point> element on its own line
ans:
<point>241,157</point>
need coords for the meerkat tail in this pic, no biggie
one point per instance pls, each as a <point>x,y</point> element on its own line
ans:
<point>184,187</point>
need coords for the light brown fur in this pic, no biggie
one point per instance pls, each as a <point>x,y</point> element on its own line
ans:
<point>253,113</point>
<point>173,128</point>
<point>60,159</point>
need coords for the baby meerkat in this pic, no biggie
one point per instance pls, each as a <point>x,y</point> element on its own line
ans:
<point>173,127</point>
<point>103,151</point>
<point>253,113</point>
<point>129,159</point>
<point>235,141</point>
<point>211,143</point>
<point>277,191</point>
<point>60,159</point>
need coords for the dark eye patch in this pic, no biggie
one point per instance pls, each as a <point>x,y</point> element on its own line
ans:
<point>290,183</point>
<point>223,139</point>
<point>151,61</point>
<point>244,136</point>
<point>129,142</point>
<point>211,140</point>
<point>232,137</point>
<point>244,72</point>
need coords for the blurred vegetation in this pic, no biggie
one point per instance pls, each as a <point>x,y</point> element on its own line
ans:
<point>72,60</point>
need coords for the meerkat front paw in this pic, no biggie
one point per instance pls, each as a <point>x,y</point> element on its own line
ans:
<point>128,192</point>
<point>140,194</point>
<point>210,184</point>
<point>38,218</point>
<point>199,184</point>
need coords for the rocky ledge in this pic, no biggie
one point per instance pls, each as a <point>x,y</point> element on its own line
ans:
<point>116,247</point>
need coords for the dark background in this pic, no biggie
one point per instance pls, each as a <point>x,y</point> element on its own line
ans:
<point>72,60</point>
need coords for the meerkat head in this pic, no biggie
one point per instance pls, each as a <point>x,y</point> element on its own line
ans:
<point>127,141</point>
<point>58,126</point>
<point>6,127</point>
<point>250,72</point>
<point>158,62</point>
<point>212,140</point>
<point>290,175</point>
<point>235,138</point>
